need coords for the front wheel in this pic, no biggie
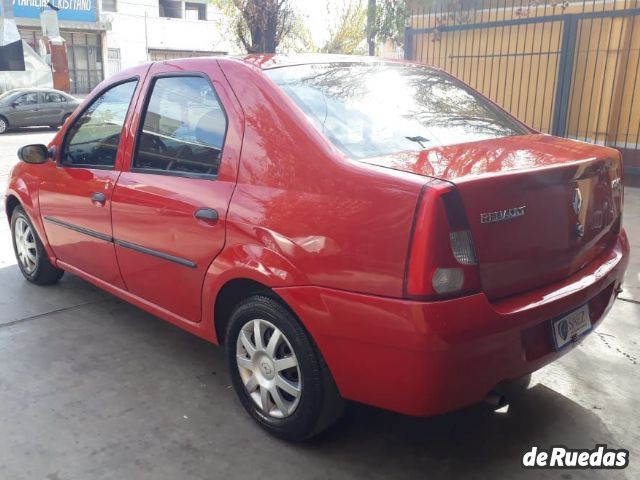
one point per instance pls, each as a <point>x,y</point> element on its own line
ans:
<point>277,373</point>
<point>4,125</point>
<point>32,259</point>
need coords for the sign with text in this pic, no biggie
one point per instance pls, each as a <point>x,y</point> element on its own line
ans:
<point>73,10</point>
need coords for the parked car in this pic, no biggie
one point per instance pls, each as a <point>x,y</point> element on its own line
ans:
<point>33,107</point>
<point>350,229</point>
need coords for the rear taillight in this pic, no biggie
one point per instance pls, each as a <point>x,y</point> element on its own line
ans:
<point>442,261</point>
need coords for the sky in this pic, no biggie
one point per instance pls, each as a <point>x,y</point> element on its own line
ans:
<point>316,16</point>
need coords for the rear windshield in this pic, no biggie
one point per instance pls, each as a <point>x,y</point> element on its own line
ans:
<point>369,110</point>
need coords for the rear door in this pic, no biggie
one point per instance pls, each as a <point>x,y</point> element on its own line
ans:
<point>52,108</point>
<point>169,209</point>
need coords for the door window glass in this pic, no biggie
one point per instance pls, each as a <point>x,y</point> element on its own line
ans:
<point>183,129</point>
<point>27,99</point>
<point>92,141</point>
<point>52,97</point>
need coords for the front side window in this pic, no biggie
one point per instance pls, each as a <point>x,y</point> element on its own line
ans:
<point>92,140</point>
<point>183,128</point>
<point>27,99</point>
<point>375,109</point>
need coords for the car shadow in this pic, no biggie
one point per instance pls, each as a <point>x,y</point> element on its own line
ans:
<point>136,374</point>
<point>476,442</point>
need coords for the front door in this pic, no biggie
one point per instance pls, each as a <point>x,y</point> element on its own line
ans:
<point>24,111</point>
<point>169,209</point>
<point>75,195</point>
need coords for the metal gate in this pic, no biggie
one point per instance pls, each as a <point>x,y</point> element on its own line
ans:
<point>570,69</point>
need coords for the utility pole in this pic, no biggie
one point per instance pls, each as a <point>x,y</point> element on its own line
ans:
<point>371,25</point>
<point>146,38</point>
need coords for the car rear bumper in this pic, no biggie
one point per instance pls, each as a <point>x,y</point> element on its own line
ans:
<point>425,358</point>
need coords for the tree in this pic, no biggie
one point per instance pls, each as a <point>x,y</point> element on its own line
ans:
<point>386,20</point>
<point>348,35</point>
<point>260,25</point>
<point>299,39</point>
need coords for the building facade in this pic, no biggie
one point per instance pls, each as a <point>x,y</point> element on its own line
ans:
<point>106,36</point>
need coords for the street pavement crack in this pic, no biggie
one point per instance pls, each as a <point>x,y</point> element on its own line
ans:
<point>44,314</point>
<point>629,300</point>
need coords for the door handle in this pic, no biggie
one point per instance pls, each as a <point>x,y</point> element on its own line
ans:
<point>206,214</point>
<point>99,198</point>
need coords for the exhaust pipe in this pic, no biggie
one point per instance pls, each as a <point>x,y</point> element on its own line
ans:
<point>496,400</point>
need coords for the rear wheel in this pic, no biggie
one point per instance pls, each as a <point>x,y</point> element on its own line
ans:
<point>277,373</point>
<point>32,259</point>
<point>4,125</point>
<point>64,119</point>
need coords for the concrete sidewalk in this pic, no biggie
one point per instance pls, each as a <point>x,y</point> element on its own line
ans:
<point>93,388</point>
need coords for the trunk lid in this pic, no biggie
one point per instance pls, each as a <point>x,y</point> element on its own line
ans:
<point>539,207</point>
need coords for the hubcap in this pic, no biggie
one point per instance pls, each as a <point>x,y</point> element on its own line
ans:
<point>3,125</point>
<point>26,245</point>
<point>268,368</point>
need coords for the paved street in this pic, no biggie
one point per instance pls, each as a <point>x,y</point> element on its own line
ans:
<point>93,388</point>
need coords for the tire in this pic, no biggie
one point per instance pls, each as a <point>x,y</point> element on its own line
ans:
<point>4,125</point>
<point>30,254</point>
<point>294,416</point>
<point>518,386</point>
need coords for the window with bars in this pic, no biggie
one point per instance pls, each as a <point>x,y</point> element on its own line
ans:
<point>84,54</point>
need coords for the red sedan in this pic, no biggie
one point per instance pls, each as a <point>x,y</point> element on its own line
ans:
<point>350,229</point>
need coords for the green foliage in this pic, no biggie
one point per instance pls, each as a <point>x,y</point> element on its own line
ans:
<point>348,35</point>
<point>387,20</point>
<point>299,39</point>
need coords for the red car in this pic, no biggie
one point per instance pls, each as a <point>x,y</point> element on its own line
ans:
<point>350,229</point>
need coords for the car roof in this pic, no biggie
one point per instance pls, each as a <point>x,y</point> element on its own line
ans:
<point>41,89</point>
<point>266,62</point>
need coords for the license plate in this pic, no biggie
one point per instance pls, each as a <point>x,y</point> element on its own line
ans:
<point>570,327</point>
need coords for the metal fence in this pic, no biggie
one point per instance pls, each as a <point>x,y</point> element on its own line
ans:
<point>570,69</point>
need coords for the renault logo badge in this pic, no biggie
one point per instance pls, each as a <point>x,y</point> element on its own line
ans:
<point>577,206</point>
<point>577,201</point>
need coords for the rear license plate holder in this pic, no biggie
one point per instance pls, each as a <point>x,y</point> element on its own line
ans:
<point>569,327</point>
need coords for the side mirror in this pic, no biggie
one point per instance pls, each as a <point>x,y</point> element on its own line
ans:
<point>35,154</point>
<point>14,104</point>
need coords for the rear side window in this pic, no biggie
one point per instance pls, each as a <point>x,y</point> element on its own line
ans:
<point>92,140</point>
<point>183,129</point>
<point>52,97</point>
